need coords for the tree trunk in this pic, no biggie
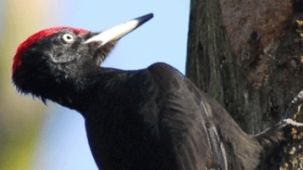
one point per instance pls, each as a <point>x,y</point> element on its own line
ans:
<point>248,55</point>
<point>253,78</point>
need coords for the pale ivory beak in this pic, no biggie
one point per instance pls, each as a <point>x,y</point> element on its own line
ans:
<point>118,31</point>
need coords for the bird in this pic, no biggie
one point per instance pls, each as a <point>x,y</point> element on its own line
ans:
<point>147,119</point>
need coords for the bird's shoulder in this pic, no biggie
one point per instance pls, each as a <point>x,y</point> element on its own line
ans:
<point>164,71</point>
<point>164,67</point>
<point>166,77</point>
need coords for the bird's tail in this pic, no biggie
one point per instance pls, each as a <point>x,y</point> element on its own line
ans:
<point>284,141</point>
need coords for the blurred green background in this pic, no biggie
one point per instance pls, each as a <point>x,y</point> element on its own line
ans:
<point>38,137</point>
<point>20,116</point>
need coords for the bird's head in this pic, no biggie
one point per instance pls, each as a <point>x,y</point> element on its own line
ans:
<point>56,55</point>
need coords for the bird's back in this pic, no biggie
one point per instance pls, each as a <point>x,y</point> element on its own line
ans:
<point>206,135</point>
<point>158,119</point>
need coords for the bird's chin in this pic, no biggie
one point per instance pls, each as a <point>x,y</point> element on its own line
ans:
<point>103,51</point>
<point>99,60</point>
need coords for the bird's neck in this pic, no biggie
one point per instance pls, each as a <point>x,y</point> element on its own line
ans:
<point>89,88</point>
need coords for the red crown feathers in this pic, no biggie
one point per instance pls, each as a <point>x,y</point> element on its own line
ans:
<point>36,37</point>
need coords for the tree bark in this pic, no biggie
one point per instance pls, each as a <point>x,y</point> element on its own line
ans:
<point>252,78</point>
<point>248,55</point>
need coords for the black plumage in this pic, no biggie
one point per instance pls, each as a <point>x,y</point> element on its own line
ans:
<point>148,119</point>
<point>156,118</point>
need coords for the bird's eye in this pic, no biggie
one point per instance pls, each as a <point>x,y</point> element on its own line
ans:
<point>68,38</point>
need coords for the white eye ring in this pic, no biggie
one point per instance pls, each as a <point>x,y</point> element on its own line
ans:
<point>68,38</point>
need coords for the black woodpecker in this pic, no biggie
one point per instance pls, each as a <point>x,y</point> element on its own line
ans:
<point>148,119</point>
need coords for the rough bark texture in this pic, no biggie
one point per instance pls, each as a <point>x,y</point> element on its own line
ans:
<point>249,56</point>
